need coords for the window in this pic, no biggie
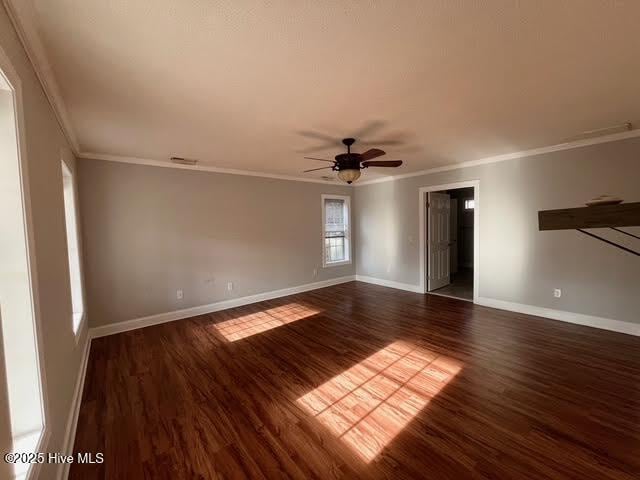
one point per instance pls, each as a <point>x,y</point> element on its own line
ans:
<point>22,406</point>
<point>336,233</point>
<point>73,251</point>
<point>469,204</point>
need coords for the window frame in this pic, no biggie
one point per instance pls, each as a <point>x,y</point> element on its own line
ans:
<point>77,318</point>
<point>348,245</point>
<point>8,72</point>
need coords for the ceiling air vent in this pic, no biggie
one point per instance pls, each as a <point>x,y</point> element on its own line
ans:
<point>184,161</point>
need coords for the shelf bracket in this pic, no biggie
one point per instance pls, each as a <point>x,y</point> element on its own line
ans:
<point>602,239</point>
<point>626,233</point>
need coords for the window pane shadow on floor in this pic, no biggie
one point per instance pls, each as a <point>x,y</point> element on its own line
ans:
<point>250,324</point>
<point>369,404</point>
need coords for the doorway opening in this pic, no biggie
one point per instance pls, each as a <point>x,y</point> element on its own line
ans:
<point>449,240</point>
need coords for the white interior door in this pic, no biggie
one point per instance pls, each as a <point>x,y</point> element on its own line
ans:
<point>439,239</point>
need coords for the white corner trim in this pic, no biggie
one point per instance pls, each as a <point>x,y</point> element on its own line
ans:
<point>202,168</point>
<point>21,16</point>
<point>210,308</point>
<point>510,156</point>
<point>76,402</point>
<point>389,283</point>
<point>564,316</point>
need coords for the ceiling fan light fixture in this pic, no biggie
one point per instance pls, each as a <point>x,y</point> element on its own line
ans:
<point>348,165</point>
<point>349,175</point>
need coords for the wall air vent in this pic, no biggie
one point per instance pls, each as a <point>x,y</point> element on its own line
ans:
<point>184,161</point>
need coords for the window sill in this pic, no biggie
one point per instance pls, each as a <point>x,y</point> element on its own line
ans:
<point>27,443</point>
<point>337,264</point>
<point>78,323</point>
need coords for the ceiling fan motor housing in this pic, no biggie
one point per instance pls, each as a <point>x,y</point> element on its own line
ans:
<point>348,165</point>
<point>348,161</point>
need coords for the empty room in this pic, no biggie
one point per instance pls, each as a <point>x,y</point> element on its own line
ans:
<point>319,240</point>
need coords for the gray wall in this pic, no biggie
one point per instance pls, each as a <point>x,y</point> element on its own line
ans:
<point>517,262</point>
<point>45,145</point>
<point>149,231</point>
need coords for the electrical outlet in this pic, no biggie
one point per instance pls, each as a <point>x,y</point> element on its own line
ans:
<point>315,272</point>
<point>179,294</point>
<point>557,292</point>
<point>230,286</point>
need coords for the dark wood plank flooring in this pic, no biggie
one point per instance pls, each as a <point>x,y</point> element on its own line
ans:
<point>362,381</point>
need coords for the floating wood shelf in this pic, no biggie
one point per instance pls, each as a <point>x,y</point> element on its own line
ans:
<point>597,216</point>
<point>603,216</point>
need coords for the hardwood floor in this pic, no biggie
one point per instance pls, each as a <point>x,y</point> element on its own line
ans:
<point>362,381</point>
<point>461,285</point>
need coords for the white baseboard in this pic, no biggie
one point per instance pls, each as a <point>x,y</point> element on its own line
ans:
<point>389,283</point>
<point>210,308</point>
<point>561,315</point>
<point>72,422</point>
<point>564,316</point>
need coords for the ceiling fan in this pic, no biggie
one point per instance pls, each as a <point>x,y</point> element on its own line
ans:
<point>348,165</point>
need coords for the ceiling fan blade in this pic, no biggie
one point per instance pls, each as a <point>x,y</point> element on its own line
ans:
<point>382,163</point>
<point>369,128</point>
<point>314,169</point>
<point>327,140</point>
<point>390,142</point>
<point>395,138</point>
<point>318,148</point>
<point>320,159</point>
<point>372,153</point>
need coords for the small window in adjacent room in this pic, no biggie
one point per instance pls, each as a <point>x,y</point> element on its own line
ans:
<point>75,278</point>
<point>336,233</point>
<point>469,204</point>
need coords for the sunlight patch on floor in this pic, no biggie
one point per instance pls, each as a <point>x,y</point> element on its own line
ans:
<point>370,403</point>
<point>264,320</point>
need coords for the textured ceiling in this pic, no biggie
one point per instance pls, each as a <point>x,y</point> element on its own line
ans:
<point>240,83</point>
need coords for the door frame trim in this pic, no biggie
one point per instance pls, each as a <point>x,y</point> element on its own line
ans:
<point>422,199</point>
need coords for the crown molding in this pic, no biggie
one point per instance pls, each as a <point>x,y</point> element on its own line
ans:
<point>511,156</point>
<point>201,168</point>
<point>473,163</point>
<point>21,14</point>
